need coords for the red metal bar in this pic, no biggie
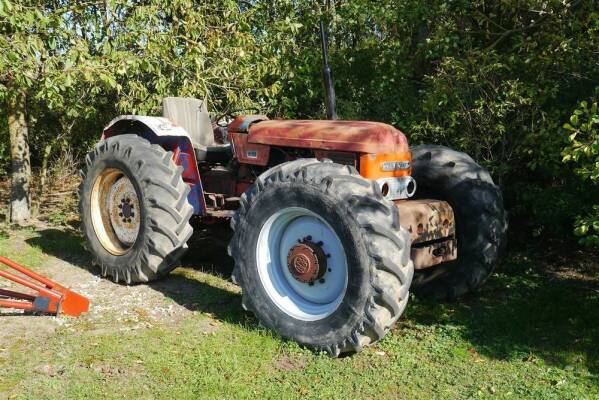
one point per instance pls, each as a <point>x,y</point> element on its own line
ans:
<point>50,297</point>
<point>19,305</point>
<point>26,272</point>
<point>16,295</point>
<point>31,285</point>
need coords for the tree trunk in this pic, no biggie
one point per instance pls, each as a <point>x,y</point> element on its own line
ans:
<point>42,179</point>
<point>20,201</point>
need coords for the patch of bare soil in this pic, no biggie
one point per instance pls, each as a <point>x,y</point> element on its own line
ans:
<point>114,308</point>
<point>287,363</point>
<point>578,268</point>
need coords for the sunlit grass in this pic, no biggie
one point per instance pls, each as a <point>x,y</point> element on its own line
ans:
<point>525,335</point>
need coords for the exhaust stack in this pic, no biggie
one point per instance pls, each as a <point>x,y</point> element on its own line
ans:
<point>327,75</point>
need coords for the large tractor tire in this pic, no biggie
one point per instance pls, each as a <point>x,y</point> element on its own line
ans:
<point>481,221</point>
<point>320,256</point>
<point>134,209</point>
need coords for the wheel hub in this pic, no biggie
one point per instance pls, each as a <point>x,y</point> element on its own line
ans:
<point>297,233</point>
<point>123,206</point>
<point>307,261</point>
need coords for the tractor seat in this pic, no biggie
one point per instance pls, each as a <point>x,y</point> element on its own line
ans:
<point>192,115</point>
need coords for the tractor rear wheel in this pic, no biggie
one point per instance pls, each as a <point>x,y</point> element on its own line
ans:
<point>134,209</point>
<point>320,256</point>
<point>481,221</point>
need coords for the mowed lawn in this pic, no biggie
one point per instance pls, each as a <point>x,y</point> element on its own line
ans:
<point>531,332</point>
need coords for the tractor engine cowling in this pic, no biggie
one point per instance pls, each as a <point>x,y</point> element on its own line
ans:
<point>383,152</point>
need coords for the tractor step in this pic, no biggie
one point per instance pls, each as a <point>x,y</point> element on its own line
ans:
<point>49,297</point>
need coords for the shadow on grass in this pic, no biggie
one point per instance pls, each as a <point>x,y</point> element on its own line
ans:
<point>66,245</point>
<point>199,296</point>
<point>525,312</point>
<point>206,254</point>
<point>529,310</point>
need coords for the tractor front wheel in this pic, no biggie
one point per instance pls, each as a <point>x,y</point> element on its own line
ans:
<point>134,209</point>
<point>320,256</point>
<point>481,221</point>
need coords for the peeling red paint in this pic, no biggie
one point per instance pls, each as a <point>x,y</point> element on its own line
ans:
<point>356,136</point>
<point>249,153</point>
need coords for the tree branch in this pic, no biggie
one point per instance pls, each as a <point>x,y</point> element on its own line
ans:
<point>538,22</point>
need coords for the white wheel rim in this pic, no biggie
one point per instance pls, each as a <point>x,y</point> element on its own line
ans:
<point>300,300</point>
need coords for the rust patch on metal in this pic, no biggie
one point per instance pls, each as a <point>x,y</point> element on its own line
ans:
<point>306,262</point>
<point>249,153</point>
<point>123,207</point>
<point>434,253</point>
<point>353,136</point>
<point>431,225</point>
<point>426,220</point>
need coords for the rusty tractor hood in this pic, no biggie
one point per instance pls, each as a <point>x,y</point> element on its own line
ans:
<point>351,136</point>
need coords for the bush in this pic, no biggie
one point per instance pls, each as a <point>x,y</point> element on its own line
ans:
<point>493,79</point>
<point>583,152</point>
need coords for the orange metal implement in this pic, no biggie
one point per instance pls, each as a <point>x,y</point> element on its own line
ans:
<point>48,297</point>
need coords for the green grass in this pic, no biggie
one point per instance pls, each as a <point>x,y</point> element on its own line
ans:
<point>19,251</point>
<point>532,332</point>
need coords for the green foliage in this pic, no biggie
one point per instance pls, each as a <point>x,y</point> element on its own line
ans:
<point>583,152</point>
<point>494,79</point>
<point>583,148</point>
<point>587,227</point>
<point>80,64</point>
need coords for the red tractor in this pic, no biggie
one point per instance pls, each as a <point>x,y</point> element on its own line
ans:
<point>330,229</point>
<point>333,220</point>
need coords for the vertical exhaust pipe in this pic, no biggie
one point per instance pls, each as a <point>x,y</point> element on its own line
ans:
<point>327,75</point>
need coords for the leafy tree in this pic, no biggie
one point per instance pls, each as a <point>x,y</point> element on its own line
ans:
<point>43,58</point>
<point>494,79</point>
<point>70,62</point>
<point>583,151</point>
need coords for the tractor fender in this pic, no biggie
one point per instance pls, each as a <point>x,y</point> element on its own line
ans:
<point>170,136</point>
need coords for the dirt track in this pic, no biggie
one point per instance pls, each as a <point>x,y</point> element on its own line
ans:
<point>114,307</point>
